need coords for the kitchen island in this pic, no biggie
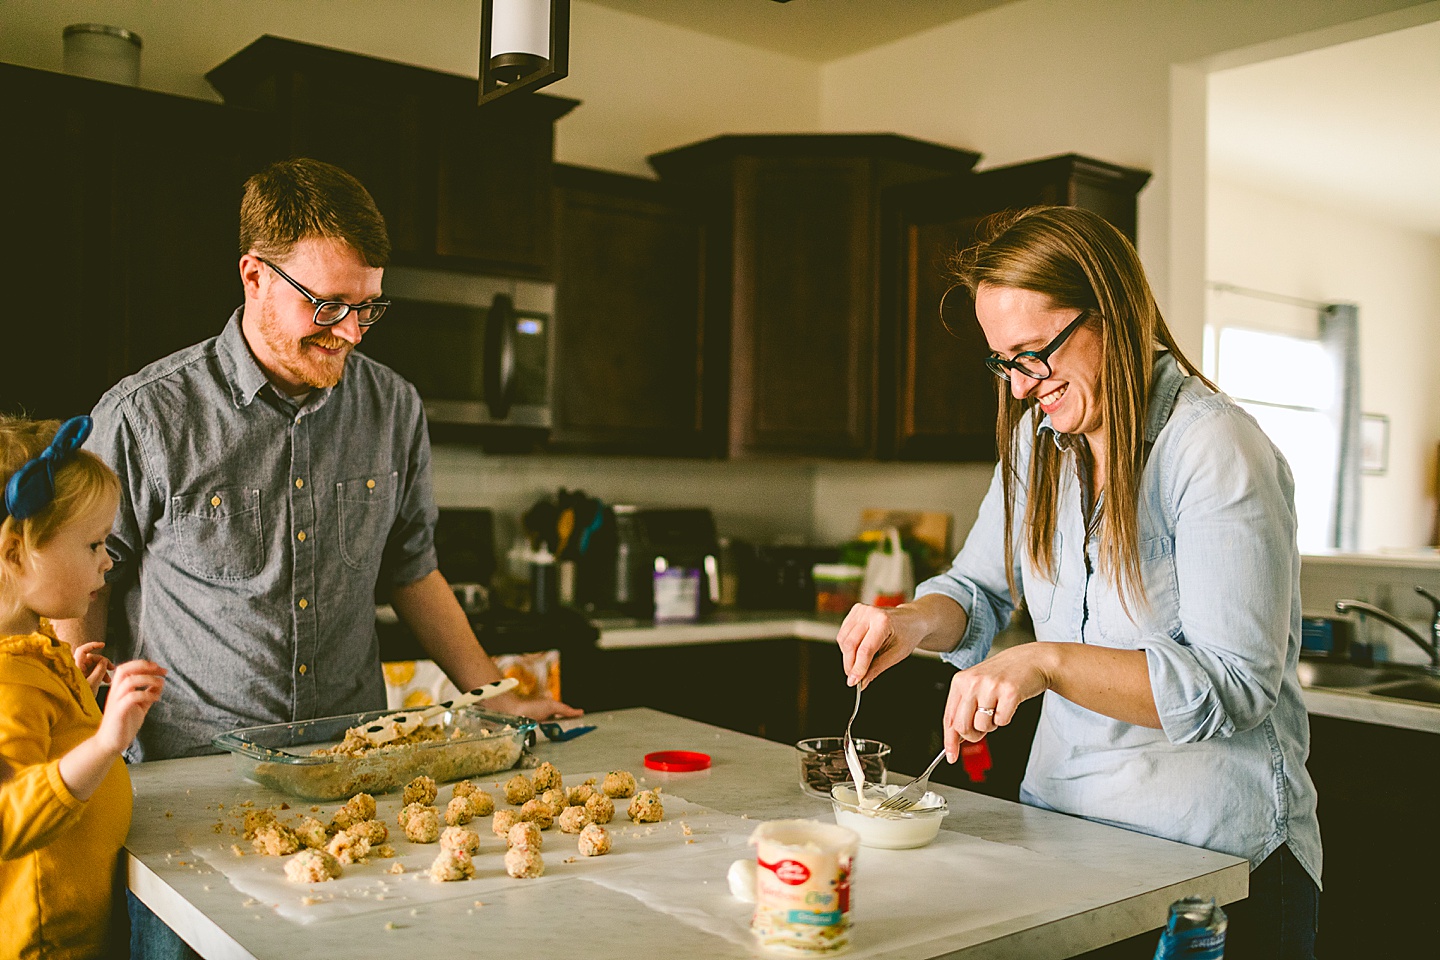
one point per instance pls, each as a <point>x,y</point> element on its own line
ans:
<point>1021,882</point>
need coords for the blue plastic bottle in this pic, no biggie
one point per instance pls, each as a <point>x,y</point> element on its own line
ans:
<point>1195,930</point>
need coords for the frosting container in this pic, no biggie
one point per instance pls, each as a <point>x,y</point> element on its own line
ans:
<point>802,887</point>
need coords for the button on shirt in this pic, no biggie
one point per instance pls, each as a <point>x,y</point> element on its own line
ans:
<point>252,533</point>
<point>1221,635</point>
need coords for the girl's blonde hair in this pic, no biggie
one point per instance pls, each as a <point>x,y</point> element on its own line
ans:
<point>1078,261</point>
<point>82,481</point>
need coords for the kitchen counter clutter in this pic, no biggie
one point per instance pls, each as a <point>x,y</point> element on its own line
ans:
<point>1001,880</point>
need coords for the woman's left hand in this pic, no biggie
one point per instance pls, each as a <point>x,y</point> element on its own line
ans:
<point>984,697</point>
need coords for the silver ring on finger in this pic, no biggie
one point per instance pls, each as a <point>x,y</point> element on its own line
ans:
<point>988,711</point>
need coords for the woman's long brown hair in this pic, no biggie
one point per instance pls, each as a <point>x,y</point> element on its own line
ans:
<point>1078,261</point>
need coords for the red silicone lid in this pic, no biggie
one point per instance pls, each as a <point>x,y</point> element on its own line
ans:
<point>677,761</point>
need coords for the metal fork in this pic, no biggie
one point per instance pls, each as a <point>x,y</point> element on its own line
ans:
<point>914,790</point>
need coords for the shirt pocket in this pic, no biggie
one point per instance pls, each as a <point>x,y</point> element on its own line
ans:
<point>366,507</point>
<point>1039,591</point>
<point>220,532</point>
<point>1157,613</point>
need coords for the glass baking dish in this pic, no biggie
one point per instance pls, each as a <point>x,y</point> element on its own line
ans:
<point>281,755</point>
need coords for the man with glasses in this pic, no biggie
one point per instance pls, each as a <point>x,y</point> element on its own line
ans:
<point>274,477</point>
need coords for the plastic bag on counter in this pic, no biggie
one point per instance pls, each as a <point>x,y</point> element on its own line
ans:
<point>889,574</point>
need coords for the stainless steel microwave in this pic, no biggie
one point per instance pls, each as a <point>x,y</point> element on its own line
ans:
<point>478,348</point>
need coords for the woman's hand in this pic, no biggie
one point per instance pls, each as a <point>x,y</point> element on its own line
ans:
<point>134,689</point>
<point>874,639</point>
<point>95,667</point>
<point>542,708</point>
<point>984,697</point>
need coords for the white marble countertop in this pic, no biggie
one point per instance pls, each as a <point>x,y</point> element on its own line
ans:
<point>1133,878</point>
<point>764,625</point>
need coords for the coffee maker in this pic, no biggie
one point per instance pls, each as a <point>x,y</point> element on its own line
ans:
<point>665,562</point>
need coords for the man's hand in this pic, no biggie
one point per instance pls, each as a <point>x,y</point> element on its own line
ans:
<point>95,667</point>
<point>534,709</point>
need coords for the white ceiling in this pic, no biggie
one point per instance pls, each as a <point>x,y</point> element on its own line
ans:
<point>1354,126</point>
<point>816,30</point>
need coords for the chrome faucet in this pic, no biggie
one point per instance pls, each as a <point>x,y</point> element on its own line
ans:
<point>1432,647</point>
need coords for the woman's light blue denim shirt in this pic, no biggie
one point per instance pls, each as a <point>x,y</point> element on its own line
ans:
<point>1221,636</point>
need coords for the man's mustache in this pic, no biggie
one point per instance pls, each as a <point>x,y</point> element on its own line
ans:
<point>325,340</point>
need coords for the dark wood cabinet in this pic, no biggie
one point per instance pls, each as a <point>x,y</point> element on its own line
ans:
<point>628,333</point>
<point>460,186</point>
<point>791,273</point>
<point>121,228</point>
<point>945,399</point>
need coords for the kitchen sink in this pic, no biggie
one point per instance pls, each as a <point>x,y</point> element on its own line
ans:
<point>1424,690</point>
<point>1345,676</point>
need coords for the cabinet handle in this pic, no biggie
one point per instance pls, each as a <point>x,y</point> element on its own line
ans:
<point>500,356</point>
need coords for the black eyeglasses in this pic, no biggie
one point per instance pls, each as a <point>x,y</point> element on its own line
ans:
<point>1034,364</point>
<point>330,312</point>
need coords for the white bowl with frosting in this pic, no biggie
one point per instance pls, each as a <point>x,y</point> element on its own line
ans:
<point>891,830</point>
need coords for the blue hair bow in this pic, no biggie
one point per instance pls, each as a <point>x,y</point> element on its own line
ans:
<point>32,487</point>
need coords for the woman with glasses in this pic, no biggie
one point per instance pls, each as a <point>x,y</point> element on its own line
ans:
<point>1148,525</point>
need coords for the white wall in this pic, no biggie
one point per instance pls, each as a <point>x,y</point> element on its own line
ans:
<point>1301,249</point>
<point>1042,77</point>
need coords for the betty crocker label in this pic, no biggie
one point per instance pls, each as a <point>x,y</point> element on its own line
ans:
<point>791,872</point>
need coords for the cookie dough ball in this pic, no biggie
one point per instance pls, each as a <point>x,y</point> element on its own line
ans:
<point>408,811</point>
<point>538,812</point>
<point>275,840</point>
<point>311,866</point>
<point>481,802</point>
<point>576,796</point>
<point>524,834</point>
<point>421,790</point>
<point>573,820</point>
<point>594,841</point>
<point>547,777</point>
<point>460,838</point>
<point>524,863</point>
<point>618,784</point>
<point>374,832</point>
<point>348,848</point>
<point>312,833</point>
<point>255,819</point>
<point>601,808</point>
<point>464,788</point>
<point>504,820</point>
<point>519,789</point>
<point>459,810</point>
<point>423,826</point>
<point>357,809</point>
<point>646,807</point>
<point>452,865</point>
<point>554,798</point>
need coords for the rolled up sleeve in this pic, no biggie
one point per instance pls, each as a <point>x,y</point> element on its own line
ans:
<point>1231,505</point>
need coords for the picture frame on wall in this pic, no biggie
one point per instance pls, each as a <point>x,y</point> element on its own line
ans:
<point>1374,444</point>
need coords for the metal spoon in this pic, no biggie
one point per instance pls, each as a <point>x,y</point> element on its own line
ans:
<point>852,756</point>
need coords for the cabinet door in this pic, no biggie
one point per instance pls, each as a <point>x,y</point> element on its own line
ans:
<point>628,339</point>
<point>946,401</point>
<point>55,189</point>
<point>803,348</point>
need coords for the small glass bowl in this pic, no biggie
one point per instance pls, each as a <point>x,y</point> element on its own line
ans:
<point>822,763</point>
<point>899,830</point>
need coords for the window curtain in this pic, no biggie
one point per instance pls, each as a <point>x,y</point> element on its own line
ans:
<point>1340,332</point>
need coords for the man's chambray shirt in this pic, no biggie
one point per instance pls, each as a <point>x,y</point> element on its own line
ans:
<point>1221,635</point>
<point>252,532</point>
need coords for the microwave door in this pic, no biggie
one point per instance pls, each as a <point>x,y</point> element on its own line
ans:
<point>500,356</point>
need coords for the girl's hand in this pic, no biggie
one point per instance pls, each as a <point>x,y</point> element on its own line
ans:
<point>134,689</point>
<point>874,639</point>
<point>984,697</point>
<point>95,667</point>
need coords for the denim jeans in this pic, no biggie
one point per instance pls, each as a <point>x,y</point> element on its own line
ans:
<point>1277,921</point>
<point>150,938</point>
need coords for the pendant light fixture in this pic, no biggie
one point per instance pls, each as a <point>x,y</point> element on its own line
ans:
<point>524,45</point>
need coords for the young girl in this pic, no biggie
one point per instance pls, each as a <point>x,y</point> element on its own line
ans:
<point>64,794</point>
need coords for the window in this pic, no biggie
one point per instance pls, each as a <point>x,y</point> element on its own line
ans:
<point>1292,386</point>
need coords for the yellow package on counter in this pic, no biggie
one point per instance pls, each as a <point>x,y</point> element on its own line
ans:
<point>421,683</point>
